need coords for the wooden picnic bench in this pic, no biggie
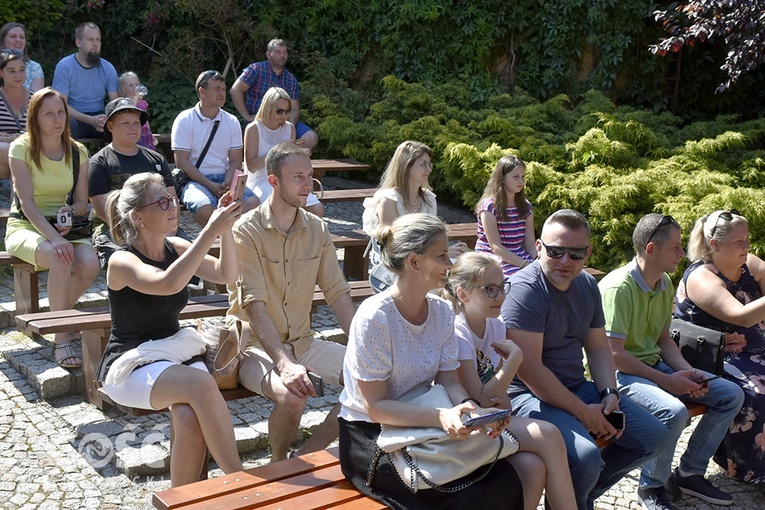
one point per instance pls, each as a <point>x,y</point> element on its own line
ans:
<point>26,285</point>
<point>332,196</point>
<point>95,324</point>
<point>311,481</point>
<point>322,166</point>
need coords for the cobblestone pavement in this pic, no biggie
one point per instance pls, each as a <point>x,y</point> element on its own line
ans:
<point>64,453</point>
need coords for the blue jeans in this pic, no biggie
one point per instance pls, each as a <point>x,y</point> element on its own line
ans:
<point>195,196</point>
<point>593,470</point>
<point>723,401</point>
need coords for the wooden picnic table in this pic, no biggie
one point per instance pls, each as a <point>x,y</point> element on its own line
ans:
<point>322,166</point>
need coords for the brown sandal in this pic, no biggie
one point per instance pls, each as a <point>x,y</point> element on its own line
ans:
<point>69,355</point>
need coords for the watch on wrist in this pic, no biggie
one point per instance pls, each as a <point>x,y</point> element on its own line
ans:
<point>610,391</point>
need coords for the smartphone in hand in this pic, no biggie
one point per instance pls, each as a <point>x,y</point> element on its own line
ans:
<point>616,419</point>
<point>318,383</point>
<point>704,381</point>
<point>488,419</point>
<point>237,186</point>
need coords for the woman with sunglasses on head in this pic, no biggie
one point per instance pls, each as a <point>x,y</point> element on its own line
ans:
<point>401,339</point>
<point>505,217</point>
<point>403,189</point>
<point>269,129</point>
<point>44,163</point>
<point>149,361</point>
<point>13,36</point>
<point>14,102</point>
<point>722,289</point>
<point>488,361</point>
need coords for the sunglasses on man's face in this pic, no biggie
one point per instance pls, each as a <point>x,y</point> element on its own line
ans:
<point>727,216</point>
<point>665,220</point>
<point>557,252</point>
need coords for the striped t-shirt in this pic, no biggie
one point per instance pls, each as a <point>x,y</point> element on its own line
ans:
<point>8,124</point>
<point>511,232</point>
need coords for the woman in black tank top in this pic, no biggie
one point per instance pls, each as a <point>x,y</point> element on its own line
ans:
<point>147,291</point>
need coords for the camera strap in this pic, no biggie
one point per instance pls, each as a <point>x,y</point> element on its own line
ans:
<point>19,214</point>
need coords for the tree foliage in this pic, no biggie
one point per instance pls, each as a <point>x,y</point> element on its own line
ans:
<point>739,23</point>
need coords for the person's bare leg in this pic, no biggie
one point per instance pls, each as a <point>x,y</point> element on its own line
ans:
<point>325,434</point>
<point>285,418</point>
<point>84,271</point>
<point>180,384</point>
<point>544,439</point>
<point>317,209</point>
<point>202,216</point>
<point>188,454</point>
<point>5,168</point>
<point>250,204</point>
<point>310,139</point>
<point>531,471</point>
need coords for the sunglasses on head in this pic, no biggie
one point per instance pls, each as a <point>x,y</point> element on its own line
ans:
<point>492,290</point>
<point>557,252</point>
<point>727,216</point>
<point>665,220</point>
<point>6,53</point>
<point>164,202</point>
<point>283,111</point>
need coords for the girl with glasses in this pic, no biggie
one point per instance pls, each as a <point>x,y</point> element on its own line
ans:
<point>722,289</point>
<point>476,287</point>
<point>505,217</point>
<point>149,361</point>
<point>269,129</point>
<point>14,102</point>
<point>13,36</point>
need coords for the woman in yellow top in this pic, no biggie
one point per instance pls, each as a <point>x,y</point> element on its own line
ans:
<point>41,166</point>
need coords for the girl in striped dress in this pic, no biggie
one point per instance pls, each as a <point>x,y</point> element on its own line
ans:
<point>505,217</point>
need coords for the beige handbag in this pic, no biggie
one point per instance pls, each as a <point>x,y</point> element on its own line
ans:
<point>427,458</point>
<point>223,361</point>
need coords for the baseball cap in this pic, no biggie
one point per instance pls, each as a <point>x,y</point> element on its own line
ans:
<point>121,104</point>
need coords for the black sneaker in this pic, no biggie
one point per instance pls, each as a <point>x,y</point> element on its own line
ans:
<point>697,485</point>
<point>654,498</point>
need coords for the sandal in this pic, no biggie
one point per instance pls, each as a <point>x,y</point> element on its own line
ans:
<point>69,354</point>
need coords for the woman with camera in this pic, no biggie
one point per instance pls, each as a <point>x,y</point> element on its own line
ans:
<point>44,162</point>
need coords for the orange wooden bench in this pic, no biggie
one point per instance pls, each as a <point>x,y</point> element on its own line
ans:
<point>308,482</point>
<point>25,283</point>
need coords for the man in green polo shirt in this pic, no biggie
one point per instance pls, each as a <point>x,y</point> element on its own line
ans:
<point>637,302</point>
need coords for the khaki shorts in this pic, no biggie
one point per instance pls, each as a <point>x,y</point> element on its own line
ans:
<point>326,359</point>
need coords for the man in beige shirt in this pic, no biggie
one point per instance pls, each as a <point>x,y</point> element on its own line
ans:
<point>284,252</point>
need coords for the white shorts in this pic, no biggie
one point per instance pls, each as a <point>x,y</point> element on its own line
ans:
<point>136,390</point>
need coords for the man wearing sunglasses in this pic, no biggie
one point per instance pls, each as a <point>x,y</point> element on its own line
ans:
<point>110,167</point>
<point>638,302</point>
<point>553,313</point>
<point>249,89</point>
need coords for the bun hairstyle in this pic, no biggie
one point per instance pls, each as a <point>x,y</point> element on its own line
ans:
<point>410,233</point>
<point>698,242</point>
<point>120,205</point>
<point>467,271</point>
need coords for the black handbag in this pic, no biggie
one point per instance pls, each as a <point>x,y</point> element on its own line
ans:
<point>181,177</point>
<point>81,228</point>
<point>702,347</point>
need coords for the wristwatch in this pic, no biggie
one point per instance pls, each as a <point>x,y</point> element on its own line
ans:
<point>610,391</point>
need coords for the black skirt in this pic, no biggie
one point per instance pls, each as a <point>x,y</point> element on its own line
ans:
<point>500,489</point>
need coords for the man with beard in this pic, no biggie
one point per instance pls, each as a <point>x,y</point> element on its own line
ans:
<point>83,78</point>
<point>248,90</point>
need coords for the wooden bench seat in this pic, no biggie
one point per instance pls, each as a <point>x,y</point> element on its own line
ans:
<point>26,285</point>
<point>322,166</point>
<point>95,324</point>
<point>312,481</point>
<point>332,196</point>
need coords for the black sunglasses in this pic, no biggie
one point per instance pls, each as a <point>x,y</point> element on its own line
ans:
<point>283,111</point>
<point>164,202</point>
<point>492,290</point>
<point>727,216</point>
<point>665,220</point>
<point>557,252</point>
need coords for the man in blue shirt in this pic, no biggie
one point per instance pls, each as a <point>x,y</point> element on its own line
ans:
<point>553,313</point>
<point>248,90</point>
<point>84,78</point>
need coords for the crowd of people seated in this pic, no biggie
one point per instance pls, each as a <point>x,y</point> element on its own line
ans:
<point>505,327</point>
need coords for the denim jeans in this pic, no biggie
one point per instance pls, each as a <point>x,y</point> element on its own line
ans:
<point>723,401</point>
<point>595,470</point>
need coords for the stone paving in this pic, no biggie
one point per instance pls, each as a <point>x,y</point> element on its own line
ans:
<point>57,451</point>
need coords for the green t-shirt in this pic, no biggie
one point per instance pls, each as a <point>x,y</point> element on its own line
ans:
<point>635,312</point>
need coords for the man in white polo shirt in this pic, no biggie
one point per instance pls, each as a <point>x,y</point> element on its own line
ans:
<point>208,148</point>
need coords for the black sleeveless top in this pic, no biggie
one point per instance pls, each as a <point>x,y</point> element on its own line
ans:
<point>138,317</point>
